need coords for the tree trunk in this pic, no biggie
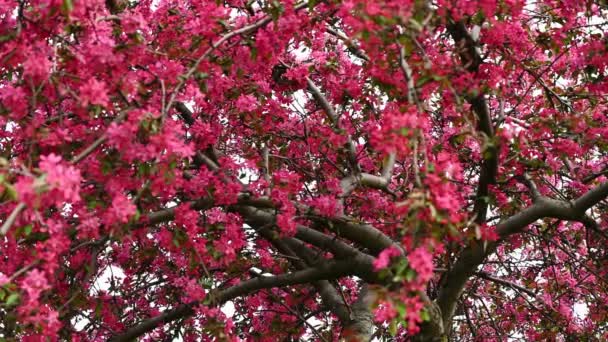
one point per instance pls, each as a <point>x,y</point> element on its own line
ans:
<point>361,326</point>
<point>432,330</point>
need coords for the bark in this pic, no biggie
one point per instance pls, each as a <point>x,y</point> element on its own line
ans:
<point>361,326</point>
<point>433,329</point>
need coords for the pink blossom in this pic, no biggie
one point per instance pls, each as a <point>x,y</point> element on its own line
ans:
<point>94,92</point>
<point>37,65</point>
<point>26,191</point>
<point>3,279</point>
<point>564,309</point>
<point>286,223</point>
<point>385,312</point>
<point>66,179</point>
<point>246,103</point>
<point>14,99</point>
<point>327,206</point>
<point>122,208</point>
<point>384,258</point>
<point>421,261</point>
<point>34,283</point>
<point>487,233</point>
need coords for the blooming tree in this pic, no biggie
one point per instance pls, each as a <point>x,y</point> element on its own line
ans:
<point>320,170</point>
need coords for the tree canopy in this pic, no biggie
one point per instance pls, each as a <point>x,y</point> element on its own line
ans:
<point>320,170</point>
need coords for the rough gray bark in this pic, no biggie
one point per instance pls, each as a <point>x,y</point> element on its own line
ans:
<point>361,326</point>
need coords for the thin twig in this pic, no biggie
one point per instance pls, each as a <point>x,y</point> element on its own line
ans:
<point>11,218</point>
<point>97,142</point>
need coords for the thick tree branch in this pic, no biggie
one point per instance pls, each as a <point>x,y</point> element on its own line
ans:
<point>474,255</point>
<point>471,59</point>
<point>350,44</point>
<point>507,283</point>
<point>591,198</point>
<point>338,248</point>
<point>361,326</point>
<point>363,234</point>
<point>325,271</point>
<point>328,293</point>
<point>348,184</point>
<point>335,121</point>
<point>305,257</point>
<point>185,113</point>
<point>362,263</point>
<point>412,94</point>
<point>250,208</point>
<point>388,167</point>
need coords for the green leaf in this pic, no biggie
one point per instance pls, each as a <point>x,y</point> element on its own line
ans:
<point>6,37</point>
<point>206,283</point>
<point>425,315</point>
<point>410,274</point>
<point>67,6</point>
<point>196,42</point>
<point>400,307</point>
<point>10,191</point>
<point>423,80</point>
<point>138,38</point>
<point>137,216</point>
<point>312,4</point>
<point>12,299</point>
<point>416,25</point>
<point>392,328</point>
<point>401,266</point>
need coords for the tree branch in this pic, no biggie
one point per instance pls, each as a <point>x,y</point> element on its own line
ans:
<point>471,59</point>
<point>348,184</point>
<point>325,271</point>
<point>512,285</point>
<point>412,95</point>
<point>352,46</point>
<point>329,295</point>
<point>243,30</point>
<point>333,117</point>
<point>338,248</point>
<point>11,218</point>
<point>185,113</point>
<point>474,255</point>
<point>92,147</point>
<point>362,234</point>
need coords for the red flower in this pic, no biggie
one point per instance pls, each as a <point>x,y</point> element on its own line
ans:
<point>384,258</point>
<point>65,179</point>
<point>421,261</point>
<point>122,209</point>
<point>94,92</point>
<point>34,283</point>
